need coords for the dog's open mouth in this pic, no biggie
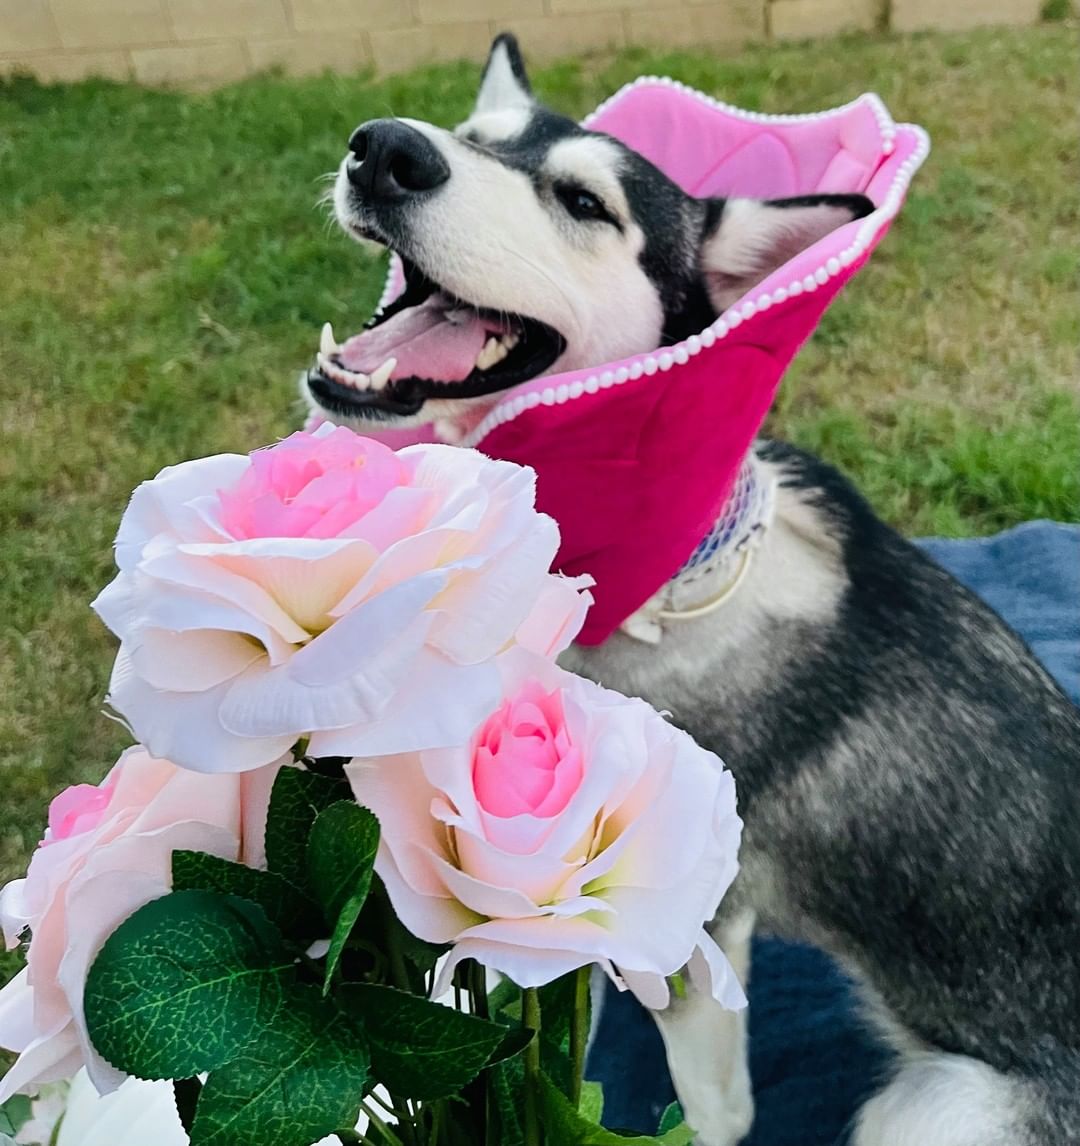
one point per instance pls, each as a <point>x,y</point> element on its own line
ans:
<point>428,344</point>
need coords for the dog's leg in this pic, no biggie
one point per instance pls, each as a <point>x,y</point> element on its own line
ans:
<point>945,1100</point>
<point>707,1049</point>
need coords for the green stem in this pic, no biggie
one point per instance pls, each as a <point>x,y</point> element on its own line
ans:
<point>399,970</point>
<point>478,982</point>
<point>531,1018</point>
<point>401,1114</point>
<point>436,1119</point>
<point>579,1032</point>
<point>388,1134</point>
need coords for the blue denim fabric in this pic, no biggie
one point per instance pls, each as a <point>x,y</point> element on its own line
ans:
<point>811,1061</point>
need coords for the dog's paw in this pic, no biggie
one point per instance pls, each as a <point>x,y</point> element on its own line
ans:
<point>727,1127</point>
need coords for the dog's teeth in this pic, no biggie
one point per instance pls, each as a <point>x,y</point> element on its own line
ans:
<point>510,341</point>
<point>338,373</point>
<point>489,355</point>
<point>381,376</point>
<point>327,343</point>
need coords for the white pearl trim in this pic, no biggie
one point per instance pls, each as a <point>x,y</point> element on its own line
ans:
<point>662,361</point>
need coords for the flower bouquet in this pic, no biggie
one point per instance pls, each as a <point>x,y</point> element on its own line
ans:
<point>350,885</point>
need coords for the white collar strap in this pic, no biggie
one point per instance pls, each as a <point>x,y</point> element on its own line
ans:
<point>714,572</point>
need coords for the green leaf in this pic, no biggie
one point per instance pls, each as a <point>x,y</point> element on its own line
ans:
<point>507,1083</point>
<point>592,1101</point>
<point>185,985</point>
<point>570,1127</point>
<point>300,1082</point>
<point>505,999</point>
<point>340,860</point>
<point>14,1113</point>
<point>421,1049</point>
<point>513,1043</point>
<point>672,1118</point>
<point>285,905</point>
<point>557,1006</point>
<point>297,798</point>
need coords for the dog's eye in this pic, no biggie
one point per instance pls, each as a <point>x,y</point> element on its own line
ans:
<point>582,204</point>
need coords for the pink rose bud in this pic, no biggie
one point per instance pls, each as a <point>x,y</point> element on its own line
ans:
<point>309,486</point>
<point>524,762</point>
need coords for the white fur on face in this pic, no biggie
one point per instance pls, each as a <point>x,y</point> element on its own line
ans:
<point>592,162</point>
<point>491,237</point>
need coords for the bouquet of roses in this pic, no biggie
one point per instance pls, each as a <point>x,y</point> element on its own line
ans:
<point>353,878</point>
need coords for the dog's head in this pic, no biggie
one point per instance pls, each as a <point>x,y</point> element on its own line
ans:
<point>532,246</point>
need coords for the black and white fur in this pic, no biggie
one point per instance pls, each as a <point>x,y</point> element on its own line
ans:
<point>907,772</point>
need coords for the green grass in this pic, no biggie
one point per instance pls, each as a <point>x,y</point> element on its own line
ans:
<point>164,273</point>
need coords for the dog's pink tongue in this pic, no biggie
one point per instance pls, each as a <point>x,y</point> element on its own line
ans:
<point>431,340</point>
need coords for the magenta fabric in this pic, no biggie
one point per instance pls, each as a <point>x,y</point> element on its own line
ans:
<point>635,459</point>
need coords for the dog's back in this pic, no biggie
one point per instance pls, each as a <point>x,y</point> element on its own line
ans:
<point>907,771</point>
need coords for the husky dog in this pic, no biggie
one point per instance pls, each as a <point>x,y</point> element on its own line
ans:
<point>906,770</point>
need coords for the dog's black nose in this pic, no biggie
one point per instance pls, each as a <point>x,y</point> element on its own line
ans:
<point>390,160</point>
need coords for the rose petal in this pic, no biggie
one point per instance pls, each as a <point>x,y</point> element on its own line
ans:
<point>330,686</point>
<point>367,633</point>
<point>556,616</point>
<point>480,611</point>
<point>395,789</point>
<point>306,578</point>
<point>156,605</point>
<point>436,919</point>
<point>712,974</point>
<point>414,723</point>
<point>186,727</point>
<point>204,575</point>
<point>137,1114</point>
<point>482,897</point>
<point>156,506</point>
<point>531,967</point>
<point>15,912</point>
<point>49,1058</point>
<point>191,661</point>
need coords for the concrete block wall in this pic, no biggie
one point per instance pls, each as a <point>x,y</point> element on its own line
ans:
<point>202,42</point>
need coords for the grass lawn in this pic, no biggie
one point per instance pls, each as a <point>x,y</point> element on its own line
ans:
<point>164,273</point>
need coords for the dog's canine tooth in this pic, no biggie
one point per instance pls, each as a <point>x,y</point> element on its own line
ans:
<point>489,355</point>
<point>381,376</point>
<point>327,343</point>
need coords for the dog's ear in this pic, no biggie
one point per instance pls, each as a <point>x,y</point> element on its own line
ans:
<point>747,239</point>
<point>505,84</point>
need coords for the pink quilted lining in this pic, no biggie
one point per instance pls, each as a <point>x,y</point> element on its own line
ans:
<point>636,458</point>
